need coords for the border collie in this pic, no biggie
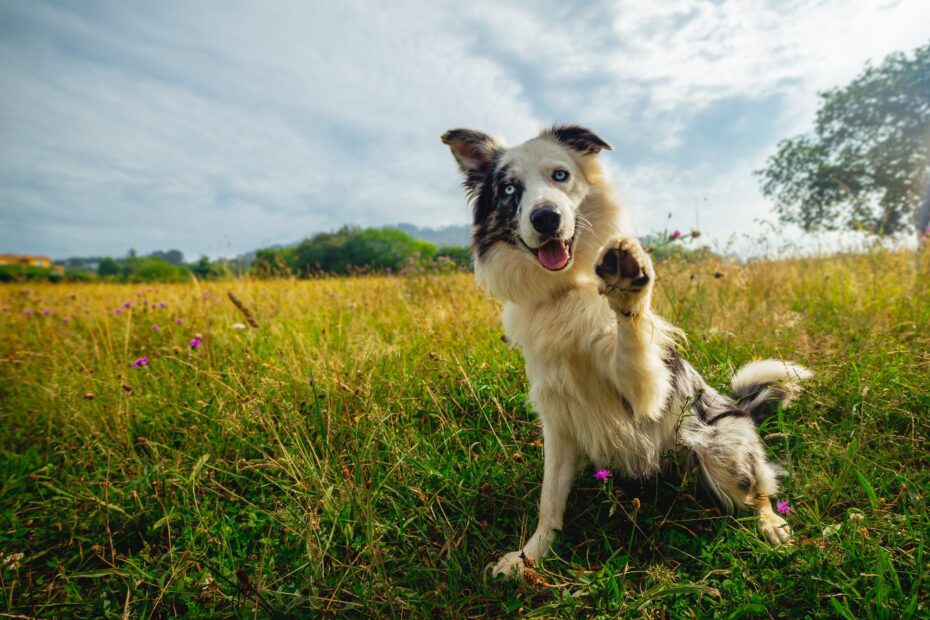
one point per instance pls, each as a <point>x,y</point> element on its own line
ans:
<point>550,241</point>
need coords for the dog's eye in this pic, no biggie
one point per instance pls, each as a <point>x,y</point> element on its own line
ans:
<point>510,189</point>
<point>560,175</point>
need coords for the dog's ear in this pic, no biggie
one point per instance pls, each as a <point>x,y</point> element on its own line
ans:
<point>579,139</point>
<point>474,151</point>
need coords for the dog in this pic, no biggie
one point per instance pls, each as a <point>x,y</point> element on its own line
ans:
<point>551,242</point>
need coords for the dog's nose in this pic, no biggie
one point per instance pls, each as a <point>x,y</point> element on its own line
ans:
<point>545,219</point>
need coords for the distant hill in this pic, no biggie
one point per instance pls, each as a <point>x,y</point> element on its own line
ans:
<point>447,235</point>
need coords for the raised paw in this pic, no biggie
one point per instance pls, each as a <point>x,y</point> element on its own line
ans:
<point>626,274</point>
<point>510,566</point>
<point>775,529</point>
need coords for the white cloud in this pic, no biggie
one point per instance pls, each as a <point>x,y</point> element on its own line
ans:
<point>219,127</point>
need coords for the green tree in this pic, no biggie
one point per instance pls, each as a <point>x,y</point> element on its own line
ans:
<point>352,249</point>
<point>108,267</point>
<point>273,263</point>
<point>865,166</point>
<point>175,257</point>
<point>151,269</point>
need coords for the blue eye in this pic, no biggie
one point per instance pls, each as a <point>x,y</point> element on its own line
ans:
<point>510,189</point>
<point>560,175</point>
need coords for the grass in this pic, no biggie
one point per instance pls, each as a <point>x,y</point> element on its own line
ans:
<point>367,451</point>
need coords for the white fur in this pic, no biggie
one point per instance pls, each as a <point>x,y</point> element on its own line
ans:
<point>786,375</point>
<point>597,375</point>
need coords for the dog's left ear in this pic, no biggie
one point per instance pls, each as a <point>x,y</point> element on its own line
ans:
<point>579,139</point>
<point>474,151</point>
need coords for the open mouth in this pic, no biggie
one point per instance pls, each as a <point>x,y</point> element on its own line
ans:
<point>554,254</point>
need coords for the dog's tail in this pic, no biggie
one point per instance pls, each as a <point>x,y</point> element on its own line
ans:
<point>760,387</point>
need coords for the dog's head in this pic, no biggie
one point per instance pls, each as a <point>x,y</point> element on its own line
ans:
<point>529,201</point>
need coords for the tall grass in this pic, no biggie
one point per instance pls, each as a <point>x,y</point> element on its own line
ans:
<point>366,450</point>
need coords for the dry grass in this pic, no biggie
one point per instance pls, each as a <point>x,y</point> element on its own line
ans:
<point>366,450</point>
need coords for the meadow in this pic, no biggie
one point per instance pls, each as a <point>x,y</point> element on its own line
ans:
<point>365,450</point>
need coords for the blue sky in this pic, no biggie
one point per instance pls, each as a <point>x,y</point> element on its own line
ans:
<point>219,127</point>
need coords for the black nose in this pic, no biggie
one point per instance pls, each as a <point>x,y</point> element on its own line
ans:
<point>545,219</point>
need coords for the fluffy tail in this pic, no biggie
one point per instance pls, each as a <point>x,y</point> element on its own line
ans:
<point>760,387</point>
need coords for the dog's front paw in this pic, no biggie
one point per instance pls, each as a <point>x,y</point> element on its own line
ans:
<point>626,274</point>
<point>511,565</point>
<point>775,529</point>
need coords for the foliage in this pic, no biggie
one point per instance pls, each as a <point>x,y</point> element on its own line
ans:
<point>151,269</point>
<point>205,269</point>
<point>865,166</point>
<point>351,248</point>
<point>108,267</point>
<point>367,452</point>
<point>175,257</point>
<point>17,273</point>
<point>354,250</point>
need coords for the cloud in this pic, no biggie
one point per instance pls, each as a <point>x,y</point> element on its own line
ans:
<point>219,127</point>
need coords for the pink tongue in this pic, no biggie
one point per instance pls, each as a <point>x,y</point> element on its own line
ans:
<point>553,255</point>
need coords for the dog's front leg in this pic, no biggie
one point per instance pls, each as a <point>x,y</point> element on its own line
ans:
<point>638,366</point>
<point>561,459</point>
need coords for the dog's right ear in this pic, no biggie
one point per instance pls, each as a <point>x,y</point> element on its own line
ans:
<point>474,151</point>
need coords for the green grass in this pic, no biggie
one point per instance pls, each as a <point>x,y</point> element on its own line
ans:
<point>367,451</point>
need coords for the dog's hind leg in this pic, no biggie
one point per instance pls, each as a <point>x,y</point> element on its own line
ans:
<point>561,460</point>
<point>735,467</point>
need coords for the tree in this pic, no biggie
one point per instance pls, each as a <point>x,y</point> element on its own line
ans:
<point>351,248</point>
<point>108,267</point>
<point>865,166</point>
<point>175,257</point>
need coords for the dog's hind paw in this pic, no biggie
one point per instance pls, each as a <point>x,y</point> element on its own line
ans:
<point>626,274</point>
<point>511,566</point>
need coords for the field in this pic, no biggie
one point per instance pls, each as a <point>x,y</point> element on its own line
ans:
<point>366,451</point>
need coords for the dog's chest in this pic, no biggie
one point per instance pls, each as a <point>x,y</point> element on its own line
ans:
<point>567,350</point>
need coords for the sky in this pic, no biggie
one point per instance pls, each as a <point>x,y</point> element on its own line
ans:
<point>220,127</point>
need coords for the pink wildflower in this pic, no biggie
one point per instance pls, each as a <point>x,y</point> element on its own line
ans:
<point>155,328</point>
<point>602,474</point>
<point>784,507</point>
<point>179,321</point>
<point>28,313</point>
<point>66,319</point>
<point>127,304</point>
<point>195,342</point>
<point>118,311</point>
<point>46,312</point>
<point>676,234</point>
<point>162,304</point>
<point>139,363</point>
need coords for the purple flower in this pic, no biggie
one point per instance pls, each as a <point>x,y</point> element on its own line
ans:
<point>46,312</point>
<point>155,328</point>
<point>602,474</point>
<point>127,305</point>
<point>676,234</point>
<point>784,507</point>
<point>66,319</point>
<point>162,304</point>
<point>195,342</point>
<point>139,363</point>
<point>118,311</point>
<point>28,312</point>
<point>179,321</point>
